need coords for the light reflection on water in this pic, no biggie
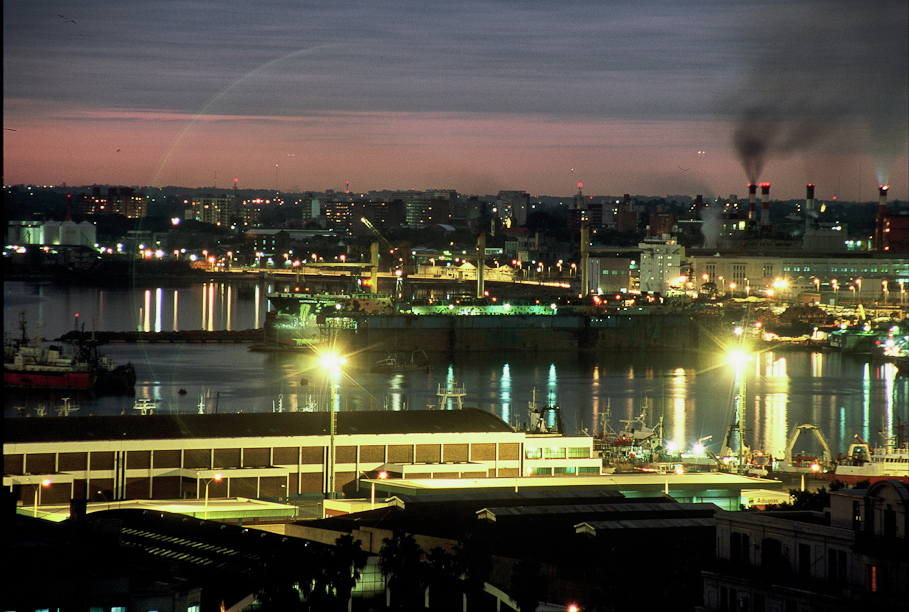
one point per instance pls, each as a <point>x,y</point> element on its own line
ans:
<point>694,393</point>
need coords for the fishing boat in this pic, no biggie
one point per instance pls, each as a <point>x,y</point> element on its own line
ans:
<point>862,462</point>
<point>29,364</point>
<point>403,362</point>
<point>32,366</point>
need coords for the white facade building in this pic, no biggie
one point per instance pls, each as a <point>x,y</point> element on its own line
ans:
<point>662,263</point>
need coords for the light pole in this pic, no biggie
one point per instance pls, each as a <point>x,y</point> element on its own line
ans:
<point>815,468</point>
<point>858,282</point>
<point>42,485</point>
<point>372,493</point>
<point>332,364</point>
<point>216,478</point>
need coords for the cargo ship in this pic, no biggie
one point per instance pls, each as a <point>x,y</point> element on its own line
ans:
<point>302,321</point>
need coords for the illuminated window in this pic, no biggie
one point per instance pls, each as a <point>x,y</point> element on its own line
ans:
<point>871,578</point>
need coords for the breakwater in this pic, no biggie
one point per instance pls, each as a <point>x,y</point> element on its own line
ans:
<point>196,336</point>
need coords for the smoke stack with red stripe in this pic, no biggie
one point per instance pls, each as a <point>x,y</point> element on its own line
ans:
<point>765,204</point>
<point>752,195</point>
<point>809,204</point>
<point>881,215</point>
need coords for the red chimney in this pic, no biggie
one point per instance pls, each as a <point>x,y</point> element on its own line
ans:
<point>765,203</point>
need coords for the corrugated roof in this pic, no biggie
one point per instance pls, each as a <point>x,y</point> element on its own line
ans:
<point>636,508</point>
<point>662,523</point>
<point>242,425</point>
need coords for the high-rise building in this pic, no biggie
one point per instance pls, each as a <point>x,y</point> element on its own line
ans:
<point>513,205</point>
<point>118,201</point>
<point>427,207</point>
<point>214,209</point>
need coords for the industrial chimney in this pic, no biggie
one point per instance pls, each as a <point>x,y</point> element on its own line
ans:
<point>809,204</point>
<point>881,215</point>
<point>752,194</point>
<point>765,204</point>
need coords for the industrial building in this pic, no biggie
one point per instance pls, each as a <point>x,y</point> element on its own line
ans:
<point>271,455</point>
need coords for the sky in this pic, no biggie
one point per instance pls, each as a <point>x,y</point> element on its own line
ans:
<point>623,96</point>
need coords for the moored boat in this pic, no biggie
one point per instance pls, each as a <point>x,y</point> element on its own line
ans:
<point>29,364</point>
<point>864,463</point>
<point>403,362</point>
<point>37,367</point>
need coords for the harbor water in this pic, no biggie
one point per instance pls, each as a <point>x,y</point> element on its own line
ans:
<point>694,393</point>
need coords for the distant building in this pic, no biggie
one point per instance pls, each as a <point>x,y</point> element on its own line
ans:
<point>609,274</point>
<point>513,205</point>
<point>214,209</point>
<point>851,277</point>
<point>427,207</point>
<point>896,234</point>
<point>662,264</point>
<point>118,201</point>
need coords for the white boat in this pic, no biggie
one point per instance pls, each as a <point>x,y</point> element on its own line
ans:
<point>862,462</point>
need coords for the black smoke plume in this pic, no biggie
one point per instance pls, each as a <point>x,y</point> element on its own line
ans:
<point>825,73</point>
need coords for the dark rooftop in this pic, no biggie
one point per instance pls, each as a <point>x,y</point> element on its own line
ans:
<point>253,425</point>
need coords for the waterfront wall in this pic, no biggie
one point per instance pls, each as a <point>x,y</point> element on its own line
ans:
<point>482,333</point>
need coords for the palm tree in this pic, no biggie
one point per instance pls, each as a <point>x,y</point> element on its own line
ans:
<point>443,579</point>
<point>401,560</point>
<point>349,558</point>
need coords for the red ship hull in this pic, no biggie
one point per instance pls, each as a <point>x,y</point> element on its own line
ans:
<point>49,380</point>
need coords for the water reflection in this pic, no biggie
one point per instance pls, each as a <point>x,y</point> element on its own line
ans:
<point>694,393</point>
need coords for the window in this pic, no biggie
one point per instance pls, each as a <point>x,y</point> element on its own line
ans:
<point>739,548</point>
<point>836,566</point>
<point>804,560</point>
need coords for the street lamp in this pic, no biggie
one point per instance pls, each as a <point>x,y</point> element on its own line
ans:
<point>216,478</point>
<point>815,468</point>
<point>372,493</point>
<point>43,485</point>
<point>858,282</point>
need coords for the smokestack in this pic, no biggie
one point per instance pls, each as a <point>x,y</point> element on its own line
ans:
<point>881,215</point>
<point>752,194</point>
<point>809,204</point>
<point>765,204</point>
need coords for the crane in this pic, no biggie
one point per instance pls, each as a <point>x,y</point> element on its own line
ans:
<point>377,234</point>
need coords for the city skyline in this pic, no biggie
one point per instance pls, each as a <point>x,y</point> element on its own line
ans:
<point>476,96</point>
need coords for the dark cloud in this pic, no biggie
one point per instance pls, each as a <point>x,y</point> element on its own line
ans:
<point>585,58</point>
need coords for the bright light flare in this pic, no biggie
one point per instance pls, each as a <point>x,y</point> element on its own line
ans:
<point>738,357</point>
<point>331,361</point>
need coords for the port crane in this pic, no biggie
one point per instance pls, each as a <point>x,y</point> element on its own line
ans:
<point>374,258</point>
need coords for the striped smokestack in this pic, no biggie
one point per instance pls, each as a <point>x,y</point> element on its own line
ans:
<point>809,204</point>
<point>752,195</point>
<point>765,204</point>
